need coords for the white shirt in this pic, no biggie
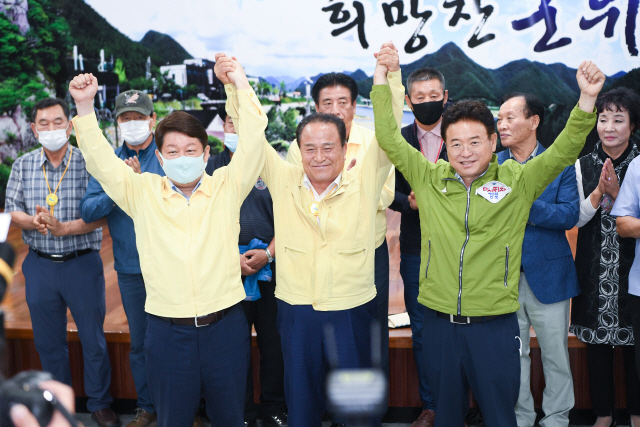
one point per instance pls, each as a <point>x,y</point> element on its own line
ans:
<point>318,197</point>
<point>587,211</point>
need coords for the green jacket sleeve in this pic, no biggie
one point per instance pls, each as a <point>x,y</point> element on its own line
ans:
<point>543,169</point>
<point>413,165</point>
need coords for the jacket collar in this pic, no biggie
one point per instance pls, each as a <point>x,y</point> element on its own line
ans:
<point>204,186</point>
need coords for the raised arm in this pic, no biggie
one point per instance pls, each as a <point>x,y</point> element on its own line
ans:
<point>249,120</point>
<point>542,170</point>
<point>387,112</point>
<point>117,179</point>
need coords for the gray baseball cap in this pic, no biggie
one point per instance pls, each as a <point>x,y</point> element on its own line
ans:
<point>134,100</point>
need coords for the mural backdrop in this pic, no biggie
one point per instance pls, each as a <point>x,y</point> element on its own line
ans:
<point>485,49</point>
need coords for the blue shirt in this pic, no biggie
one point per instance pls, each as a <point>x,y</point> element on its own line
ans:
<point>96,205</point>
<point>628,204</point>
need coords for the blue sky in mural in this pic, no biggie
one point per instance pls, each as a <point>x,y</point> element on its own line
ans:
<point>293,37</point>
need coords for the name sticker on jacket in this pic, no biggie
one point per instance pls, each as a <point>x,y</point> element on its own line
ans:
<point>493,191</point>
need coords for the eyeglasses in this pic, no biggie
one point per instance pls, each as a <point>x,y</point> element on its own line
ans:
<point>458,147</point>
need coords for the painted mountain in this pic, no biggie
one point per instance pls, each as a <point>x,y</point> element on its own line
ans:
<point>91,32</point>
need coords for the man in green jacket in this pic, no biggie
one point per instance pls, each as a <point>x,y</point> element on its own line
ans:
<point>473,214</point>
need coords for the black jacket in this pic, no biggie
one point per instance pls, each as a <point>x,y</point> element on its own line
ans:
<point>410,220</point>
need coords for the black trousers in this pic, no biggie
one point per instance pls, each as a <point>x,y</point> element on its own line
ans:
<point>635,307</point>
<point>262,314</point>
<point>601,379</point>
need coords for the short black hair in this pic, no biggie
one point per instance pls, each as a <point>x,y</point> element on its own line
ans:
<point>323,118</point>
<point>184,123</point>
<point>334,79</point>
<point>474,111</point>
<point>423,75</point>
<point>532,105</point>
<point>47,103</point>
<point>622,99</point>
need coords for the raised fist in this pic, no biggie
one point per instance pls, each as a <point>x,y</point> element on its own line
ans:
<point>590,78</point>
<point>224,65</point>
<point>83,87</point>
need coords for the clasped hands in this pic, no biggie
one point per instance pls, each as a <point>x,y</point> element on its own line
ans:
<point>608,183</point>
<point>45,222</point>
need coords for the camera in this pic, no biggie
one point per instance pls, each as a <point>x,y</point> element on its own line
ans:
<point>22,388</point>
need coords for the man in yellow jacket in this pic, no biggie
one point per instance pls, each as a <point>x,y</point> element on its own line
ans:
<point>197,341</point>
<point>325,220</point>
<point>336,94</point>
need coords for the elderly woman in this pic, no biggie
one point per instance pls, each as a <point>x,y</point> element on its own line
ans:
<point>601,315</point>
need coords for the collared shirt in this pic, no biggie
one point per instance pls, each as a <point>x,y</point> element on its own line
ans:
<point>531,156</point>
<point>319,197</point>
<point>27,188</point>
<point>179,191</point>
<point>96,205</point>
<point>628,204</point>
<point>178,239</point>
<point>328,265</point>
<point>431,142</point>
<point>360,139</point>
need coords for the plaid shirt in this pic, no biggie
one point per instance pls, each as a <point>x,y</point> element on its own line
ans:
<point>27,188</point>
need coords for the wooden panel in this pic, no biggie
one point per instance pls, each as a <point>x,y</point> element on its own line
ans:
<point>20,351</point>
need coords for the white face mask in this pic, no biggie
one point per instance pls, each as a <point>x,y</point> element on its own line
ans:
<point>53,140</point>
<point>231,141</point>
<point>135,132</point>
<point>184,169</point>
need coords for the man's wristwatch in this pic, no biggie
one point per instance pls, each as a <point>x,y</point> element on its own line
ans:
<point>269,257</point>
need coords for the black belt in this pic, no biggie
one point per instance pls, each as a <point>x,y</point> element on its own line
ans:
<point>197,321</point>
<point>62,257</point>
<point>465,320</point>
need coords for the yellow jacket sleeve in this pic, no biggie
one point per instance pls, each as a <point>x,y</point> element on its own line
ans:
<point>250,122</point>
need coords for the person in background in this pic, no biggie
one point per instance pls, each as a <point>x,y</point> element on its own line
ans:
<point>136,120</point>
<point>601,316</point>
<point>426,97</point>
<point>63,268</point>
<point>548,277</point>
<point>258,268</point>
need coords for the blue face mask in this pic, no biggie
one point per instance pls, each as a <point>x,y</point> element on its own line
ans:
<point>231,141</point>
<point>184,169</point>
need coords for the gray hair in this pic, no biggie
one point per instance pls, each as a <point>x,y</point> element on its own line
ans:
<point>423,75</point>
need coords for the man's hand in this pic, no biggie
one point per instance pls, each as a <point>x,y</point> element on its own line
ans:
<point>21,416</point>
<point>245,270</point>
<point>83,89</point>
<point>590,80</point>
<point>56,227</point>
<point>224,65</point>
<point>387,60</point>
<point>134,164</point>
<point>388,56</point>
<point>42,228</point>
<point>257,258</point>
<point>609,179</point>
<point>412,201</point>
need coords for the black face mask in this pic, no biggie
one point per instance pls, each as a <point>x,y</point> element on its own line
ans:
<point>428,113</point>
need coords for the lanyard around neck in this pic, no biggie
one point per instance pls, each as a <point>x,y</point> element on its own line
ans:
<point>52,199</point>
